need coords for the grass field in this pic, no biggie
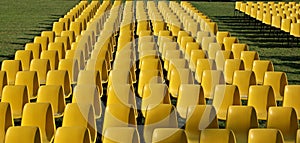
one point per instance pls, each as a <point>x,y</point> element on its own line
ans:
<point>21,20</point>
<point>285,58</point>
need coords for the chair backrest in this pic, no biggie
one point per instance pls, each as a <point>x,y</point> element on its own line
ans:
<point>40,115</point>
<point>261,98</point>
<point>162,135</point>
<point>277,80</point>
<point>121,134</point>
<point>6,119</point>
<point>159,116</point>
<point>225,96</point>
<point>55,96</point>
<point>259,68</point>
<point>84,114</point>
<point>30,79</point>
<point>240,119</point>
<point>27,134</point>
<point>284,119</point>
<point>75,134</point>
<point>41,66</point>
<point>199,117</point>
<point>11,67</point>
<point>291,98</point>
<point>217,135</point>
<point>259,135</point>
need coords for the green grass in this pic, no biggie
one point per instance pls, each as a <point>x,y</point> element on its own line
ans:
<point>285,58</point>
<point>21,20</point>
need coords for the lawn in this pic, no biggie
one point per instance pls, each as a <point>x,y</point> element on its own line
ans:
<point>285,58</point>
<point>21,20</point>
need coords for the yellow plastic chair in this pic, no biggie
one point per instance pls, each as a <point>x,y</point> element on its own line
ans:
<point>66,22</point>
<point>3,81</point>
<point>184,41</point>
<point>146,77</point>
<point>99,65</point>
<point>261,97</point>
<point>30,79</point>
<point>211,27</point>
<point>44,41</point>
<point>171,54</point>
<point>121,134</point>
<point>221,57</point>
<point>180,35</point>
<point>151,64</point>
<point>162,135</point>
<point>55,96</point>
<point>76,27</point>
<point>206,41</point>
<point>200,35</point>
<point>70,34</point>
<point>277,80</point>
<point>84,115</point>
<point>213,48</point>
<point>25,57</point>
<point>188,95</point>
<point>248,57</point>
<point>230,66</point>
<point>118,115</point>
<point>221,35</point>
<point>90,77</point>
<point>65,40</point>
<point>118,76</point>
<point>58,27</point>
<point>154,94</point>
<point>199,117</point>
<point>175,64</point>
<point>243,80</point>
<point>259,68</point>
<point>40,115</point>
<point>6,119</point>
<point>189,47</point>
<point>295,30</point>
<point>145,33</point>
<point>35,48</point>
<point>70,65</point>
<point>228,42</point>
<point>211,78</point>
<point>59,47</point>
<point>178,77</point>
<point>60,77</point>
<point>76,55</point>
<point>237,49</point>
<point>11,67</point>
<point>217,136</point>
<point>73,134</point>
<point>52,56</point>
<point>147,46</point>
<point>285,120</point>
<point>17,97</point>
<point>265,135</point>
<point>203,64</point>
<point>291,93</point>
<point>49,34</point>
<point>225,96</point>
<point>240,119</point>
<point>141,26</point>
<point>88,94</point>
<point>195,56</point>
<point>41,66</point>
<point>159,116</point>
<point>27,134</point>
